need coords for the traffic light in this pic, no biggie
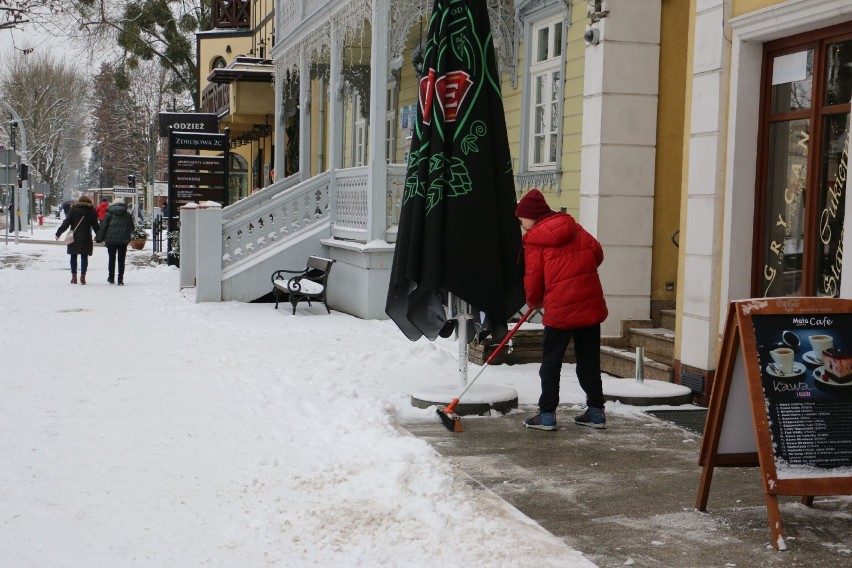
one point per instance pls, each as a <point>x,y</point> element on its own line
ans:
<point>131,181</point>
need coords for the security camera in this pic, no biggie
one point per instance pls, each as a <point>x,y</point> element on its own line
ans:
<point>592,36</point>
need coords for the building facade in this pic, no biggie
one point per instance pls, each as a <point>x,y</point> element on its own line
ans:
<point>763,202</point>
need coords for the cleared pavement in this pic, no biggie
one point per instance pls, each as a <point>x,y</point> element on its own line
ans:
<point>625,496</point>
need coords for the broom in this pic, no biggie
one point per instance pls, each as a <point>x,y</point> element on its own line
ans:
<point>447,415</point>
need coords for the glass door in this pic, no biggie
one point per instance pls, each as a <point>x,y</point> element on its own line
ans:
<point>804,146</point>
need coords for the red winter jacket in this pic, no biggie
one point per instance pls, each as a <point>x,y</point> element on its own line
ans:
<point>561,273</point>
<point>102,207</point>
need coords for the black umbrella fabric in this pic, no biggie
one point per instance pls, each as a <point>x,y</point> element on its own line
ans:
<point>457,230</point>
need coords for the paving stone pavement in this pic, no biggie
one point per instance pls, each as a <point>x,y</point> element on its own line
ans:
<point>625,496</point>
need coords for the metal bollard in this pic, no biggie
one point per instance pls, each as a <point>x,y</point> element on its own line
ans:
<point>640,364</point>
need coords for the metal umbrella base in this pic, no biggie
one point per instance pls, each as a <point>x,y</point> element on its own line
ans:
<point>478,400</point>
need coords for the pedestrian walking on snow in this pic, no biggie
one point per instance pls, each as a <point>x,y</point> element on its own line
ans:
<point>83,221</point>
<point>116,231</point>
<point>561,275</point>
<point>102,207</point>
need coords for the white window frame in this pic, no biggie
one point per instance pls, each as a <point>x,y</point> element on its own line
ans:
<point>390,123</point>
<point>549,73</point>
<point>548,15</point>
<point>359,135</point>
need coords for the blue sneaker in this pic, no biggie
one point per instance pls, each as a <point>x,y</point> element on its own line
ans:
<point>592,417</point>
<point>542,421</point>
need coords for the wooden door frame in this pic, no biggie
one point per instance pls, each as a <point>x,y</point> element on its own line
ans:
<point>816,40</point>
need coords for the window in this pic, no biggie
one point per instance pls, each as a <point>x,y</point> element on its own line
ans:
<point>218,63</point>
<point>360,135</point>
<point>802,168</point>
<point>390,123</point>
<point>545,105</point>
<point>239,178</point>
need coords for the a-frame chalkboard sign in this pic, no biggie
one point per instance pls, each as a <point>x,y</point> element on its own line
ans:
<point>782,400</point>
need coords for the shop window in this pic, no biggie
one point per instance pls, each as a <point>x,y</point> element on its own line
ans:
<point>803,164</point>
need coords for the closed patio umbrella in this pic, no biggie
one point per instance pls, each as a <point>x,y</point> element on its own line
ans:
<point>458,236</point>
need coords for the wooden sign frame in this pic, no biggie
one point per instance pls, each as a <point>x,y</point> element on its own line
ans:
<point>792,440</point>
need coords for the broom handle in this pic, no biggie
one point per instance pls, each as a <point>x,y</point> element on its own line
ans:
<point>506,339</point>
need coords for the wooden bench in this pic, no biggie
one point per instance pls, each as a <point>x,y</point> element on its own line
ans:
<point>307,285</point>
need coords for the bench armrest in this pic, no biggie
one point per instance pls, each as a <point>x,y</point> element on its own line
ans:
<point>278,273</point>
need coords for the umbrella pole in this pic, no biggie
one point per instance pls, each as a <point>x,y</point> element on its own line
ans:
<point>462,314</point>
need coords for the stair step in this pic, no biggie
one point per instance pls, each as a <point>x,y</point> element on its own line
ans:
<point>657,341</point>
<point>668,319</point>
<point>622,363</point>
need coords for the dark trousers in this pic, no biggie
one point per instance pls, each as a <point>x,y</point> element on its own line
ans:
<point>84,263</point>
<point>587,348</point>
<point>116,252</point>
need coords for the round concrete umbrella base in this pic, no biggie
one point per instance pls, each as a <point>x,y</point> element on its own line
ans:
<point>478,400</point>
<point>646,393</point>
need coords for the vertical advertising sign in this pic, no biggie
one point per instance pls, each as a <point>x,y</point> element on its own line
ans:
<point>195,177</point>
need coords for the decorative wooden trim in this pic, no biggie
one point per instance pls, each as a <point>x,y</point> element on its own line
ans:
<point>231,13</point>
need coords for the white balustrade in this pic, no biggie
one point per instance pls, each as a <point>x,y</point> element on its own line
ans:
<point>283,217</point>
<point>280,214</point>
<point>258,198</point>
<point>351,200</point>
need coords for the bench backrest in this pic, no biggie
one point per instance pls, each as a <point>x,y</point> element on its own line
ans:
<point>319,263</point>
<point>318,269</point>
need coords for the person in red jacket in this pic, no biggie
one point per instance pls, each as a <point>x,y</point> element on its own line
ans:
<point>102,207</point>
<point>561,276</point>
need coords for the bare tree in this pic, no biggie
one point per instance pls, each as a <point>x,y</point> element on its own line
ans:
<point>127,33</point>
<point>121,134</point>
<point>49,96</point>
<point>16,13</point>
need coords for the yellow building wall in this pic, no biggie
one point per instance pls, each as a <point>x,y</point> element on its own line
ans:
<point>740,7</point>
<point>670,148</point>
<point>209,48</point>
<point>572,114</point>
<point>512,101</point>
<point>253,101</point>
<point>319,98</point>
<point>572,117</point>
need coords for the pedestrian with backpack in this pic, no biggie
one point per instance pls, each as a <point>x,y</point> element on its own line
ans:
<point>561,276</point>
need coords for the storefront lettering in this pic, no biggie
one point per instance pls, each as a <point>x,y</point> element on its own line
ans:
<point>831,281</point>
<point>768,275</point>
<point>828,225</point>
<point>833,195</point>
<point>776,248</point>
<point>788,214</point>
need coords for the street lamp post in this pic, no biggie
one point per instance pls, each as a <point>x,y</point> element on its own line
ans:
<point>101,182</point>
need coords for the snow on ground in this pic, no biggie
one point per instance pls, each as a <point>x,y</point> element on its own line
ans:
<point>140,429</point>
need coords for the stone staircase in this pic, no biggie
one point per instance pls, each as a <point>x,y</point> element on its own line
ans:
<point>618,354</point>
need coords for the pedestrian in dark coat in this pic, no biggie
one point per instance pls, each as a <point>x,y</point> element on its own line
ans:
<point>561,262</point>
<point>116,231</point>
<point>83,221</point>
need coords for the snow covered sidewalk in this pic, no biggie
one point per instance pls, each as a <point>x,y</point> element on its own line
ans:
<point>140,429</point>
